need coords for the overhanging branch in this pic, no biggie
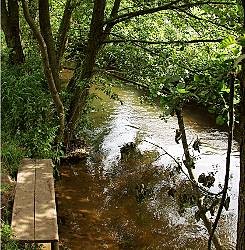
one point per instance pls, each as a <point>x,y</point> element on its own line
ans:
<point>204,19</point>
<point>170,6</point>
<point>178,42</point>
<point>154,53</point>
<point>122,78</point>
<point>228,158</point>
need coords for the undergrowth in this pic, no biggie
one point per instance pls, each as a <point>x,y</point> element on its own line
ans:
<point>29,128</point>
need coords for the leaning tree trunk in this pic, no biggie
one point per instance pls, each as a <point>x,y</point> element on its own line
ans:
<point>48,72</point>
<point>241,199</point>
<point>11,29</point>
<point>97,35</point>
<point>45,26</point>
<point>64,28</point>
<point>81,92</point>
<point>188,164</point>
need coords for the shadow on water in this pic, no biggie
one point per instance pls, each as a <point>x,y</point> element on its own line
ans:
<point>107,202</point>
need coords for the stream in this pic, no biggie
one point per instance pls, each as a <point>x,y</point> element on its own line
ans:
<point>105,203</point>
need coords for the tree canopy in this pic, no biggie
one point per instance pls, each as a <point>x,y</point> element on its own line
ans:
<point>180,51</point>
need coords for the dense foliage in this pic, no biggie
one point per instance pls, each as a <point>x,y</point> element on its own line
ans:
<point>28,124</point>
<point>180,51</point>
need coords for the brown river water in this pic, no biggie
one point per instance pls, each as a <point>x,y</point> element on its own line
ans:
<point>98,202</point>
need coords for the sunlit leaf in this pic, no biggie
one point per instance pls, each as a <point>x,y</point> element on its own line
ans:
<point>225,89</point>
<point>182,91</point>
<point>196,78</point>
<point>230,40</point>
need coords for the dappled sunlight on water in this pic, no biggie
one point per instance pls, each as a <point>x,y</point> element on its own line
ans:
<point>98,205</point>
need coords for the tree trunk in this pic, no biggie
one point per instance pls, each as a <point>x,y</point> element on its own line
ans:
<point>64,28</point>
<point>241,199</point>
<point>97,36</point>
<point>188,164</point>
<point>11,29</point>
<point>81,92</point>
<point>46,31</point>
<point>48,72</point>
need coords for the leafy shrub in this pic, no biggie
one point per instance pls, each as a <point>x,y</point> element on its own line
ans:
<point>11,155</point>
<point>28,115</point>
<point>28,126</point>
<point>6,241</point>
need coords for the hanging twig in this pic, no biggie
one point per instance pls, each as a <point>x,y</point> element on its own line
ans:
<point>182,170</point>
<point>189,166</point>
<point>228,159</point>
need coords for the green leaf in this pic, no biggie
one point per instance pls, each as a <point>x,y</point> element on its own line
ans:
<point>230,40</point>
<point>225,89</point>
<point>196,78</point>
<point>220,120</point>
<point>181,88</point>
<point>182,91</point>
<point>241,40</point>
<point>236,51</point>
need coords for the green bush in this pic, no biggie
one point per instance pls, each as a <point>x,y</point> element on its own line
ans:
<point>29,123</point>
<point>11,155</point>
<point>7,243</point>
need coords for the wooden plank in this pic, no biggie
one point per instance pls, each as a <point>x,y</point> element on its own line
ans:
<point>23,209</point>
<point>46,228</point>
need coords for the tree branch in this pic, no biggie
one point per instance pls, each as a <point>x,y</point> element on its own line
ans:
<point>182,170</point>
<point>46,33</point>
<point>153,53</point>
<point>119,77</point>
<point>169,6</point>
<point>228,159</point>
<point>188,164</point>
<point>164,42</point>
<point>64,28</point>
<point>114,13</point>
<point>204,19</point>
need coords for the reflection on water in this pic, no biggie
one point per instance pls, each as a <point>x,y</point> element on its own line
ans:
<point>97,203</point>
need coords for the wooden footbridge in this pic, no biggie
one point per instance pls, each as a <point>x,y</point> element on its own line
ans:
<point>34,216</point>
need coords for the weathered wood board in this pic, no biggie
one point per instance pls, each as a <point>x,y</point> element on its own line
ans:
<point>45,216</point>
<point>34,212</point>
<point>23,209</point>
